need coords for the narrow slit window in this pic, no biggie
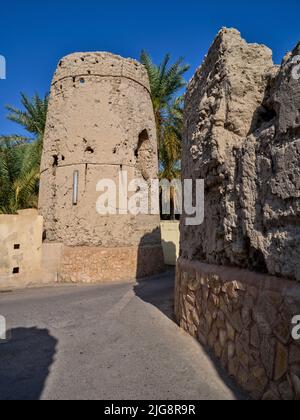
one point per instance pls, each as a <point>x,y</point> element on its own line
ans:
<point>75,187</point>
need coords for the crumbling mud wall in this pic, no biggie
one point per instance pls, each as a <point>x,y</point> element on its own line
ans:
<point>242,136</point>
<point>100,122</point>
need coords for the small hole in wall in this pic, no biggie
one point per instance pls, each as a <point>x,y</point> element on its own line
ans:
<point>268,115</point>
<point>89,71</point>
<point>16,270</point>
<point>82,59</point>
<point>82,81</point>
<point>17,246</point>
<point>55,160</point>
<point>89,150</point>
<point>74,79</point>
<point>63,158</point>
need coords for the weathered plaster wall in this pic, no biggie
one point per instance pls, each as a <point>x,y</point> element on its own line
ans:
<point>100,121</point>
<point>170,241</point>
<point>242,136</point>
<point>20,248</point>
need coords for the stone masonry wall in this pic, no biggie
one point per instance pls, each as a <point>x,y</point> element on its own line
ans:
<point>242,136</point>
<point>108,265</point>
<point>245,318</point>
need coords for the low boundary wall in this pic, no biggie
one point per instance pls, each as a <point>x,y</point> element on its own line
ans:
<point>246,320</point>
<point>20,248</point>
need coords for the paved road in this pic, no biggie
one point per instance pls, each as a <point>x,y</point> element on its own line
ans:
<point>103,342</point>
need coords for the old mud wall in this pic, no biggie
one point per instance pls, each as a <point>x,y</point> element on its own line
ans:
<point>242,136</point>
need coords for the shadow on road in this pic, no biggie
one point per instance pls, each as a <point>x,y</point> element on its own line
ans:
<point>159,291</point>
<point>25,362</point>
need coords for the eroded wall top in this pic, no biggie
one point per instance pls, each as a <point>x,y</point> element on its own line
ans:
<point>242,135</point>
<point>101,64</point>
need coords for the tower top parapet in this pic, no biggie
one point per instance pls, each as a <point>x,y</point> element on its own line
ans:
<point>102,64</point>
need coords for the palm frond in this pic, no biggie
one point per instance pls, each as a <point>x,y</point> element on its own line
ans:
<point>20,156</point>
<point>166,81</point>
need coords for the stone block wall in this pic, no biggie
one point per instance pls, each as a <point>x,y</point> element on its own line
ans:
<point>109,265</point>
<point>246,320</point>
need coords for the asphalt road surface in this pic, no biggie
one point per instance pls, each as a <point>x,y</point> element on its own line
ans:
<point>115,342</point>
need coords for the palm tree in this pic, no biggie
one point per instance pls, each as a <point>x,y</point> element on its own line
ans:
<point>20,156</point>
<point>166,82</point>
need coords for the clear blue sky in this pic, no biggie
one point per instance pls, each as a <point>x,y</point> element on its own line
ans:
<point>34,35</point>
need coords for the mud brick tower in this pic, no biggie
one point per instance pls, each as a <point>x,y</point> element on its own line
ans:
<point>100,122</point>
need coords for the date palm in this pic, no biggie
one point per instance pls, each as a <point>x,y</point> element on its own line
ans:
<point>166,82</point>
<point>20,156</point>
